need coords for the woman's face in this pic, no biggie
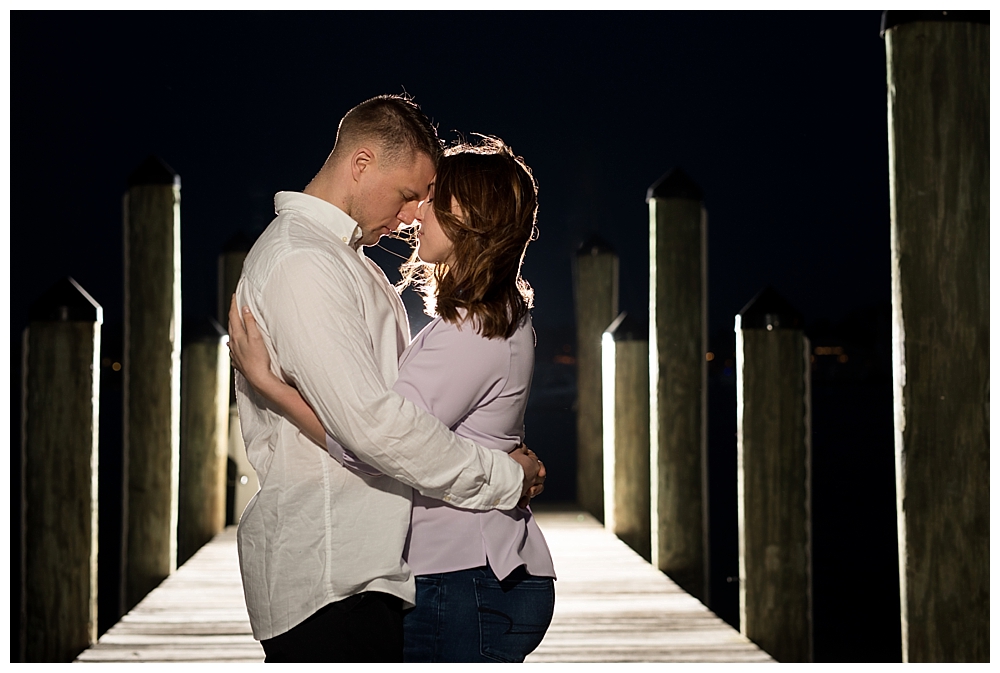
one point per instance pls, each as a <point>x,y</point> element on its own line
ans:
<point>433,246</point>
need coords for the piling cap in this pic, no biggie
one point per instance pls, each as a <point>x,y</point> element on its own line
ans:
<point>769,310</point>
<point>627,328</point>
<point>675,185</point>
<point>153,171</point>
<point>240,242</point>
<point>891,17</point>
<point>206,329</point>
<point>66,301</point>
<point>595,245</point>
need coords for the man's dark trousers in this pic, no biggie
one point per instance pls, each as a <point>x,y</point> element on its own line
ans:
<point>367,627</point>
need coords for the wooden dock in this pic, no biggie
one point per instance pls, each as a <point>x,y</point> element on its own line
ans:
<point>611,606</point>
<point>196,615</point>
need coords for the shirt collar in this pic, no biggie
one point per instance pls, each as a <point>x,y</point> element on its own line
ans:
<point>324,213</point>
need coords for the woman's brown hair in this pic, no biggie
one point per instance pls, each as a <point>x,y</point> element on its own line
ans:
<point>498,199</point>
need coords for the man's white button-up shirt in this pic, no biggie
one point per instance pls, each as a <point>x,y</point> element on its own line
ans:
<point>317,532</point>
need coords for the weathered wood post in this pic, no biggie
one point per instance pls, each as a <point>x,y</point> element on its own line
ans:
<point>152,376</point>
<point>234,252</point>
<point>938,67</point>
<point>241,477</point>
<point>626,432</point>
<point>678,383</point>
<point>596,306</point>
<point>61,384</point>
<point>204,437</point>
<point>773,477</point>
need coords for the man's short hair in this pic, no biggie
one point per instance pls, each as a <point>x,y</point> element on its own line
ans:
<point>392,122</point>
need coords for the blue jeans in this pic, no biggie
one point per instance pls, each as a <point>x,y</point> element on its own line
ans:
<point>471,616</point>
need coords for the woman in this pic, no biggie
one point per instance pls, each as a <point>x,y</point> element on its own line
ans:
<point>484,580</point>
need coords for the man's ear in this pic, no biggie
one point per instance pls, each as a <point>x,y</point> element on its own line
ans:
<point>362,160</point>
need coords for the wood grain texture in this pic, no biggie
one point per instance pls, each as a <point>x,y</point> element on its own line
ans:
<point>611,606</point>
<point>197,614</point>
<point>152,385</point>
<point>59,459</point>
<point>596,306</point>
<point>242,470</point>
<point>678,391</point>
<point>939,124</point>
<point>773,479</point>
<point>626,461</point>
<point>230,268</point>
<point>204,445</point>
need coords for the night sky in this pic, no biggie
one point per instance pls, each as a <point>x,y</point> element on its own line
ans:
<point>779,117</point>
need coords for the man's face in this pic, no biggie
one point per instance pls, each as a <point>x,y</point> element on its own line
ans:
<point>389,196</point>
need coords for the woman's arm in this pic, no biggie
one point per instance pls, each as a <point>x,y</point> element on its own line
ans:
<point>250,358</point>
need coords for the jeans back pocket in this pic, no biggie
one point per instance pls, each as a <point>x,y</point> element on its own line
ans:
<point>513,617</point>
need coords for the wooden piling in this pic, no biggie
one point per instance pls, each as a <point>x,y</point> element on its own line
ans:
<point>204,437</point>
<point>241,478</point>
<point>152,376</point>
<point>773,478</point>
<point>678,341</point>
<point>938,68</point>
<point>230,268</point>
<point>625,384</point>
<point>596,291</point>
<point>61,384</point>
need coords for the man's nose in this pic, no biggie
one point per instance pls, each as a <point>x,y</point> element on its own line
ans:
<point>408,213</point>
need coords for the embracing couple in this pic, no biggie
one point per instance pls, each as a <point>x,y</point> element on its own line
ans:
<point>392,521</point>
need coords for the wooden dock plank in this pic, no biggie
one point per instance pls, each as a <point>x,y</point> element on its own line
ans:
<point>196,615</point>
<point>611,606</point>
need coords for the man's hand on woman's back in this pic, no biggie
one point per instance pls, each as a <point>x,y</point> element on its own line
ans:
<point>534,473</point>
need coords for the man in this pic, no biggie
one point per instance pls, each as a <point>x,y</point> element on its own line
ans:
<point>320,545</point>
